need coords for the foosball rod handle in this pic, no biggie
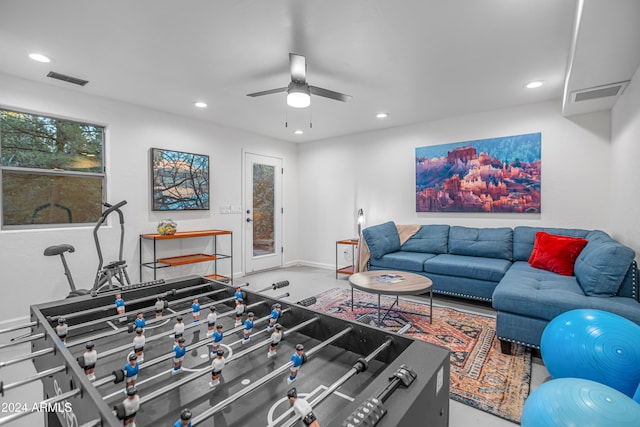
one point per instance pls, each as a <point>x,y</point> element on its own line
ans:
<point>280,284</point>
<point>371,411</point>
<point>307,301</point>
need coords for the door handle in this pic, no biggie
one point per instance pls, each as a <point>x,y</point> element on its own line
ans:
<point>249,220</point>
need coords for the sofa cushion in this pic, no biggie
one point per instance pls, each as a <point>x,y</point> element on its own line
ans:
<point>556,253</point>
<point>481,242</point>
<point>382,239</point>
<point>602,265</point>
<point>401,260</point>
<point>541,294</point>
<point>524,238</point>
<point>491,269</point>
<point>430,239</point>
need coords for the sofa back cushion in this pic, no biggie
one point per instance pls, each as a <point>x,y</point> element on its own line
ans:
<point>481,242</point>
<point>524,238</point>
<point>382,239</point>
<point>431,239</point>
<point>602,265</point>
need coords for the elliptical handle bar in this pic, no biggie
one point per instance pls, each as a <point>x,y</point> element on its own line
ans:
<point>112,208</point>
<point>103,217</point>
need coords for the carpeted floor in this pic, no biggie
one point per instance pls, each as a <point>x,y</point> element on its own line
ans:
<point>481,376</point>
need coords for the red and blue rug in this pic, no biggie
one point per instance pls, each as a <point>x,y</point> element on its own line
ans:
<point>481,376</point>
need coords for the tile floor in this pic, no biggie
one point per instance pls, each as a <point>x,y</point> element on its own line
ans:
<point>304,282</point>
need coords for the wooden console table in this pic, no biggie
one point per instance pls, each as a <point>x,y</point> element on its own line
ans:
<point>177,260</point>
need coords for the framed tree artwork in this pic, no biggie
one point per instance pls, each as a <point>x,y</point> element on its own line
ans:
<point>179,180</point>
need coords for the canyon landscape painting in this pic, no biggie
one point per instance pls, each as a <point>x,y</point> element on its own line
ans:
<point>487,175</point>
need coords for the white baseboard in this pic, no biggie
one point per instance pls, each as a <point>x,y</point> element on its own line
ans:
<point>316,264</point>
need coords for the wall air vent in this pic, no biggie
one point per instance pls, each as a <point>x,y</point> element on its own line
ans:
<point>68,79</point>
<point>606,91</point>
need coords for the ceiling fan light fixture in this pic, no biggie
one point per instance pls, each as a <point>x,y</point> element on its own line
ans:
<point>298,95</point>
<point>298,100</point>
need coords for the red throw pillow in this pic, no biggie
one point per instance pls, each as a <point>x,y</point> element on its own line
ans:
<point>556,253</point>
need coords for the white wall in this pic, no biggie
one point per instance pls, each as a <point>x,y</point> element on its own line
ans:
<point>325,181</point>
<point>625,177</point>
<point>28,277</point>
<point>376,172</point>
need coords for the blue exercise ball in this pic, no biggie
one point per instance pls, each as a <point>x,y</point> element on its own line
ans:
<point>594,345</point>
<point>575,402</point>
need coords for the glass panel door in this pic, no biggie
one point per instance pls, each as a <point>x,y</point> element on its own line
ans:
<point>263,213</point>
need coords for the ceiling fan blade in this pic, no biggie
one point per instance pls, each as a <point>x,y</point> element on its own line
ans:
<point>268,92</point>
<point>298,66</point>
<point>329,94</point>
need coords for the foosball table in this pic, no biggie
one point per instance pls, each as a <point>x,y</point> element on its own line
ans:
<point>351,374</point>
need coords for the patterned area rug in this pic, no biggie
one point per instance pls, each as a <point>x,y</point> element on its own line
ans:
<point>481,376</point>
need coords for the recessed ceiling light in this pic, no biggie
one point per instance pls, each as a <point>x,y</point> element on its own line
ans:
<point>200,104</point>
<point>39,57</point>
<point>534,84</point>
<point>382,115</point>
<point>298,132</point>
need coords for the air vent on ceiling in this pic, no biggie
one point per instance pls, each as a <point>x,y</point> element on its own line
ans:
<point>68,79</point>
<point>606,91</point>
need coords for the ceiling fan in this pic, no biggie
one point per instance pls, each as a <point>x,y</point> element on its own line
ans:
<point>299,91</point>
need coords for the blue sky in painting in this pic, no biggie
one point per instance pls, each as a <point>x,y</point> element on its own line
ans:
<point>526,148</point>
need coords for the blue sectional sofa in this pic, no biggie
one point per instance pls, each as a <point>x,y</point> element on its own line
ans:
<point>491,264</point>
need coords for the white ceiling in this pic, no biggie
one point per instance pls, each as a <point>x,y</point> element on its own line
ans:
<point>418,60</point>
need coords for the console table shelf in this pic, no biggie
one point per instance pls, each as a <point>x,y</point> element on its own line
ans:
<point>177,260</point>
<point>186,259</point>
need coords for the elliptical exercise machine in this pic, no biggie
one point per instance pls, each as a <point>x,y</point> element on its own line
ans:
<point>105,273</point>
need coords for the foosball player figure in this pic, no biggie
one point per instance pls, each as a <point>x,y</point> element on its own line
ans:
<point>130,405</point>
<point>276,337</point>
<point>140,322</point>
<point>212,317</point>
<point>238,294</point>
<point>62,329</point>
<point>302,408</point>
<point>248,327</point>
<point>138,344</point>
<point>179,351</point>
<point>297,358</point>
<point>185,418</point>
<point>239,311</point>
<point>90,358</point>
<point>119,304</point>
<point>131,370</point>
<point>275,315</point>
<point>178,330</point>
<point>217,339</point>
<point>159,306</point>
<point>216,368</point>
<point>195,310</point>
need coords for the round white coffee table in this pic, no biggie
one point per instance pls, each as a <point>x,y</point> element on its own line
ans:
<point>394,283</point>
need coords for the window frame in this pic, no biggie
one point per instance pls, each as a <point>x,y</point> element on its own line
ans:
<point>53,172</point>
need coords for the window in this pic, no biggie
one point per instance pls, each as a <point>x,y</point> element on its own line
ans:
<point>52,171</point>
